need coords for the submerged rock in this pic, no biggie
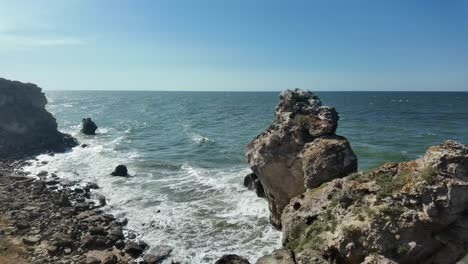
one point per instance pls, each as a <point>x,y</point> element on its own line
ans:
<point>299,150</point>
<point>408,212</point>
<point>26,128</point>
<point>88,127</point>
<point>120,170</point>
<point>232,259</point>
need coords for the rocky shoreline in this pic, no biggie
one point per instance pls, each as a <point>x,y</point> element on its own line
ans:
<point>45,220</point>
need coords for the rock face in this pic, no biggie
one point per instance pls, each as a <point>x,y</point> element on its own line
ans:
<point>299,150</point>
<point>409,212</point>
<point>88,127</point>
<point>26,128</point>
<point>120,170</point>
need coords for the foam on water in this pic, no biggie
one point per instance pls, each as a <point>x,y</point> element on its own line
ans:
<point>202,213</point>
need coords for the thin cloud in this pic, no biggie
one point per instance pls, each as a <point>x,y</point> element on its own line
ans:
<point>38,41</point>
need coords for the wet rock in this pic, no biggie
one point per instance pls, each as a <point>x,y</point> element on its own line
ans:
<point>84,145</point>
<point>232,259</point>
<point>91,185</point>
<point>88,127</point>
<point>157,254</point>
<point>120,170</point>
<point>252,182</point>
<point>52,182</point>
<point>116,233</point>
<point>42,174</point>
<point>120,244</point>
<point>135,248</point>
<point>294,153</point>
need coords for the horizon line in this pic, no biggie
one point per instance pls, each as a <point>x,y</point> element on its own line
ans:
<point>257,91</point>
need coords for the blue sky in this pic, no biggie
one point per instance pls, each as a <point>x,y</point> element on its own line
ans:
<point>253,45</point>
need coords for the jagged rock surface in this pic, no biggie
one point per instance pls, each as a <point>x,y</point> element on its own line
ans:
<point>26,128</point>
<point>299,150</point>
<point>409,212</point>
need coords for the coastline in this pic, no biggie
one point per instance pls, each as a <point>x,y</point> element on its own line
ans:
<point>44,220</point>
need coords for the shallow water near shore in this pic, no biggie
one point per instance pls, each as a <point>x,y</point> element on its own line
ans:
<point>185,152</point>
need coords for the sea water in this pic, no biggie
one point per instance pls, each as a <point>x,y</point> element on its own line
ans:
<point>185,153</point>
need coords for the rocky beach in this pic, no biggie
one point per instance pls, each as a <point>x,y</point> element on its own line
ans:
<point>45,219</point>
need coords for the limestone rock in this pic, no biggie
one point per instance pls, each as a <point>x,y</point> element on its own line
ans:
<point>26,128</point>
<point>297,151</point>
<point>408,212</point>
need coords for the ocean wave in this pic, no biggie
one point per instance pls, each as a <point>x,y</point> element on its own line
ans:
<point>199,139</point>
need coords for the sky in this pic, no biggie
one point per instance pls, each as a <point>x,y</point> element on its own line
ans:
<point>238,45</point>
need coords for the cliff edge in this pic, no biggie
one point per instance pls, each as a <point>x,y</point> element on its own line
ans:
<point>26,128</point>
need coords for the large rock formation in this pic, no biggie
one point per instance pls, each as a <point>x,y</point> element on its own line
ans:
<point>299,150</point>
<point>26,128</point>
<point>409,212</point>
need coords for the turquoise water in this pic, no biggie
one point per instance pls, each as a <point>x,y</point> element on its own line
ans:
<point>186,153</point>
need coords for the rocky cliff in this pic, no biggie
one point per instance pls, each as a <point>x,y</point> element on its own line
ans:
<point>26,128</point>
<point>409,212</point>
<point>299,151</point>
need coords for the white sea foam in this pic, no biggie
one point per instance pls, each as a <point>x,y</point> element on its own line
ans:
<point>199,138</point>
<point>202,213</point>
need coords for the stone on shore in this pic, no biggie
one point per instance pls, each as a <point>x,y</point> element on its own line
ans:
<point>299,150</point>
<point>120,170</point>
<point>88,127</point>
<point>157,254</point>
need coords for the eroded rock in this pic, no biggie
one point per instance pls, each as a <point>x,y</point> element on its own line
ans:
<point>409,212</point>
<point>299,150</point>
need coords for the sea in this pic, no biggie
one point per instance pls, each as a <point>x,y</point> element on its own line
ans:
<point>185,152</point>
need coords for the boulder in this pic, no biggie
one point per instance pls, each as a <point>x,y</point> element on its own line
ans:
<point>88,127</point>
<point>408,212</point>
<point>157,254</point>
<point>120,170</point>
<point>26,127</point>
<point>299,150</point>
<point>135,248</point>
<point>232,259</point>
